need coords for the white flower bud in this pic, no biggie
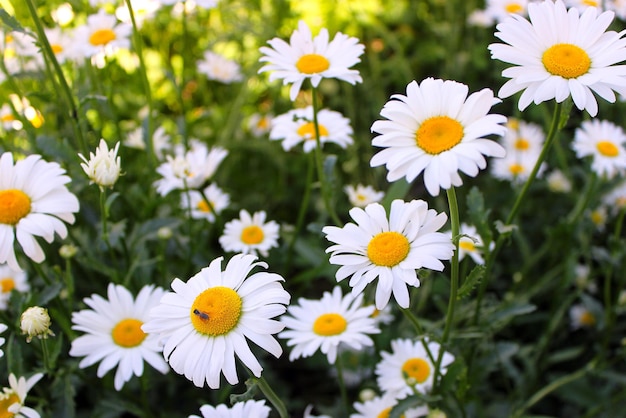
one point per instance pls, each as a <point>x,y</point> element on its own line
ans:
<point>103,167</point>
<point>35,322</point>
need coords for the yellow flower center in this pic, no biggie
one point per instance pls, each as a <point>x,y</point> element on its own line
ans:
<point>203,206</point>
<point>14,205</point>
<point>467,245</point>
<point>102,37</point>
<point>598,217</point>
<point>56,48</point>
<point>252,235</point>
<point>5,403</point>
<point>330,324</point>
<point>7,284</point>
<point>513,8</point>
<point>308,130</point>
<point>590,3</point>
<point>438,134</point>
<point>388,248</point>
<point>566,60</point>
<point>607,148</point>
<point>516,169</point>
<point>127,333</point>
<point>417,369</point>
<point>385,413</point>
<point>216,311</point>
<point>312,63</point>
<point>7,117</point>
<point>522,144</point>
<point>587,319</point>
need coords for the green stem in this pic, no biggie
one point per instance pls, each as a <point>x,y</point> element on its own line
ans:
<point>420,331</point>
<point>342,383</point>
<point>45,355</point>
<point>271,396</point>
<point>454,279</point>
<point>583,202</point>
<point>104,214</point>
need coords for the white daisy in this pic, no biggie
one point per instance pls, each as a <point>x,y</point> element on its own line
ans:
<point>11,280</point>
<point>617,6</point>
<point>604,142</point>
<point>380,406</point>
<point>499,10</point>
<point>558,53</point>
<point>305,57</point>
<point>113,334</point>
<point>250,234</point>
<point>516,166</point>
<point>103,167</point>
<point>581,317</point>
<point>247,409</point>
<point>217,67</point>
<point>327,323</point>
<point>390,249</point>
<point>207,204</point>
<point>3,328</point>
<point>206,321</point>
<point>12,398</point>
<point>409,368</point>
<point>61,43</point>
<point>34,202</point>
<point>8,120</point>
<point>436,128</point>
<point>558,182</point>
<point>189,170</point>
<point>297,126</point>
<point>142,10</point>
<point>102,33</point>
<point>361,196</point>
<point>470,244</point>
<point>581,5</point>
<point>260,124</point>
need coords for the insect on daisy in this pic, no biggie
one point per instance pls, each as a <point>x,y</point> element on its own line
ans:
<point>390,249</point>
<point>250,234</point>
<point>12,398</point>
<point>206,321</point>
<point>113,334</point>
<point>436,128</point>
<point>559,53</point>
<point>604,142</point>
<point>326,323</point>
<point>247,409</point>
<point>34,201</point>
<point>305,57</point>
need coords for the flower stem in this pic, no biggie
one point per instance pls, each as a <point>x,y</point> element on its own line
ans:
<point>104,214</point>
<point>271,396</point>
<point>342,383</point>
<point>583,202</point>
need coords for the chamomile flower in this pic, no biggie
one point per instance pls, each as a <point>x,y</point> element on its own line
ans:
<point>604,142</point>
<point>113,334</point>
<point>581,317</point>
<point>327,323</point>
<point>250,234</point>
<point>380,406</point>
<point>34,202</point>
<point>499,10</point>
<point>361,196</point>
<point>103,168</point>
<point>559,53</point>
<point>206,207</point>
<point>219,68</point>
<point>582,5</point>
<point>8,120</point>
<point>296,126</point>
<point>437,129</point>
<point>207,320</point>
<point>516,167</point>
<point>10,281</point>
<point>247,409</point>
<point>102,33</point>
<point>305,57</point>
<point>409,367</point>
<point>389,249</point>
<point>13,398</point>
<point>260,124</point>
<point>62,44</point>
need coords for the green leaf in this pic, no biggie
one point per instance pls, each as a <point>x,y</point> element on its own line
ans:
<point>11,22</point>
<point>471,281</point>
<point>251,390</point>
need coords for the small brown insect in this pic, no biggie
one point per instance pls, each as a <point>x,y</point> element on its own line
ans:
<point>203,315</point>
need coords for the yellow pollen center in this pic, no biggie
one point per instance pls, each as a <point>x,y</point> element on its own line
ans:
<point>590,3</point>
<point>127,333</point>
<point>522,144</point>
<point>385,413</point>
<point>252,235</point>
<point>513,8</point>
<point>587,319</point>
<point>388,248</point>
<point>14,205</point>
<point>597,217</point>
<point>6,403</point>
<point>417,369</point>
<point>330,324</point>
<point>204,207</point>
<point>438,134</point>
<point>566,60</point>
<point>102,37</point>
<point>607,148</point>
<point>308,130</point>
<point>516,169</point>
<point>7,284</point>
<point>56,48</point>
<point>467,245</point>
<point>312,63</point>
<point>7,117</point>
<point>216,311</point>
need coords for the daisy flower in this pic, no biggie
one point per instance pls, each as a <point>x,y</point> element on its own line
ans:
<point>102,33</point>
<point>113,334</point>
<point>142,10</point>
<point>559,53</point>
<point>558,182</point>
<point>103,167</point>
<point>260,124</point>
<point>12,398</point>
<point>216,201</point>
<point>581,5</point>
<point>380,406</point>
<point>390,249</point>
<point>34,201</point>
<point>436,128</point>
<point>35,322</point>
<point>250,234</point>
<point>305,57</point>
<point>516,167</point>
<point>297,126</point>
<point>326,323</point>
<point>206,321</point>
<point>8,119</point>
<point>499,10</point>
<point>247,409</point>
<point>361,196</point>
<point>11,280</point>
<point>581,317</point>
<point>604,142</point>
<point>189,170</point>
<point>62,44</point>
<point>470,244</point>
<point>217,67</point>
<point>409,368</point>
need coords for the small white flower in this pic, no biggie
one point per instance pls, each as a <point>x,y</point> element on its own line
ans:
<point>217,67</point>
<point>103,167</point>
<point>247,409</point>
<point>581,317</point>
<point>207,204</point>
<point>12,398</point>
<point>102,34</point>
<point>380,406</point>
<point>250,234</point>
<point>558,182</point>
<point>604,142</point>
<point>361,196</point>
<point>11,280</point>
<point>3,328</point>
